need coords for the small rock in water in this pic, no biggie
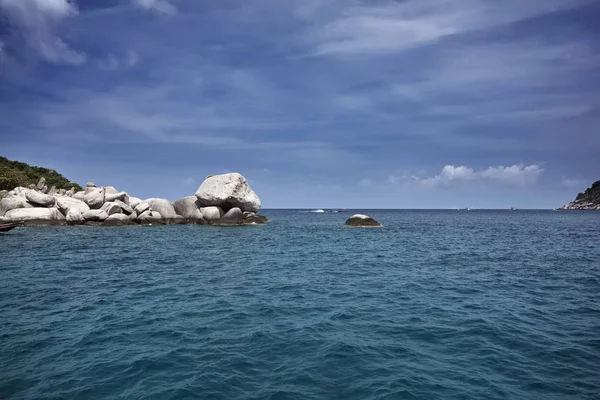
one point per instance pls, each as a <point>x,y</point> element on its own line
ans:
<point>361,220</point>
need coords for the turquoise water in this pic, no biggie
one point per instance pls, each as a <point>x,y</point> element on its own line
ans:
<point>436,305</point>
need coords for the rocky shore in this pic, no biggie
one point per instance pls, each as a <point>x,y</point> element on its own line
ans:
<point>586,201</point>
<point>220,200</point>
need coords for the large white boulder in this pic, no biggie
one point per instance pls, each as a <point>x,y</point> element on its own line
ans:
<point>12,203</point>
<point>163,206</point>
<point>94,197</point>
<point>41,199</point>
<point>64,204</point>
<point>228,191</point>
<point>95,215</point>
<point>74,217</point>
<point>212,214</point>
<point>39,216</point>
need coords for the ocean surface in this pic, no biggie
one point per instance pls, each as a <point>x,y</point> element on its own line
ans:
<point>435,305</point>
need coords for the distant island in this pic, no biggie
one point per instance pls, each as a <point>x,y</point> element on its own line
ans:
<point>588,200</point>
<point>52,200</point>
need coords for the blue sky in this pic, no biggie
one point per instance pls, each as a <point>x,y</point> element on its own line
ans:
<point>319,103</point>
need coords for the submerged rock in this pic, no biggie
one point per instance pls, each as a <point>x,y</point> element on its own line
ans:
<point>361,220</point>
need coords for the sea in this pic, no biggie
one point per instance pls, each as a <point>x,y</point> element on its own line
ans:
<point>435,305</point>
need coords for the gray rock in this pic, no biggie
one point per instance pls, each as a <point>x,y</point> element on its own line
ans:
<point>228,191</point>
<point>111,208</point>
<point>79,195</point>
<point>42,186</point>
<point>134,201</point>
<point>360,220</point>
<point>234,216</point>
<point>90,184</point>
<point>115,196</point>
<point>32,186</point>
<point>110,190</point>
<point>70,192</point>
<point>142,207</point>
<point>53,190</point>
<point>95,215</point>
<point>255,220</point>
<point>150,217</point>
<point>163,206</point>
<point>64,204</point>
<point>62,192</point>
<point>187,207</point>
<point>74,217</point>
<point>117,220</point>
<point>211,214</point>
<point>125,207</point>
<point>94,197</point>
<point>36,216</point>
<point>38,198</point>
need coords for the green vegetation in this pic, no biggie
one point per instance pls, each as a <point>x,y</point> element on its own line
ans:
<point>591,195</point>
<point>15,173</point>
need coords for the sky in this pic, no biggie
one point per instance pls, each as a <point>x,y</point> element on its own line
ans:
<point>318,103</point>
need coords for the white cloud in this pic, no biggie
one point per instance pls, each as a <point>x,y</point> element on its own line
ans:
<point>36,22</point>
<point>397,26</point>
<point>515,174</point>
<point>572,182</point>
<point>112,62</point>
<point>188,181</point>
<point>158,6</point>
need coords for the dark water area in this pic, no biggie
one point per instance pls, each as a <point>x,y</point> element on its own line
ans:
<point>434,305</point>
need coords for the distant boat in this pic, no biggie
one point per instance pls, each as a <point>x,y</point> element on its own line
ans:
<point>318,211</point>
<point>7,227</point>
<point>514,209</point>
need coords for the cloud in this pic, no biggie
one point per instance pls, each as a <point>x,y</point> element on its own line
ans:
<point>157,6</point>
<point>567,182</point>
<point>396,26</point>
<point>113,63</point>
<point>515,174</point>
<point>188,181</point>
<point>35,25</point>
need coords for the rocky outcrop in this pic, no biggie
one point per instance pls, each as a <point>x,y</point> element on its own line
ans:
<point>360,220</point>
<point>228,191</point>
<point>232,202</point>
<point>585,201</point>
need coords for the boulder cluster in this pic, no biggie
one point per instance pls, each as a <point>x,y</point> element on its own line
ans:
<point>220,200</point>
